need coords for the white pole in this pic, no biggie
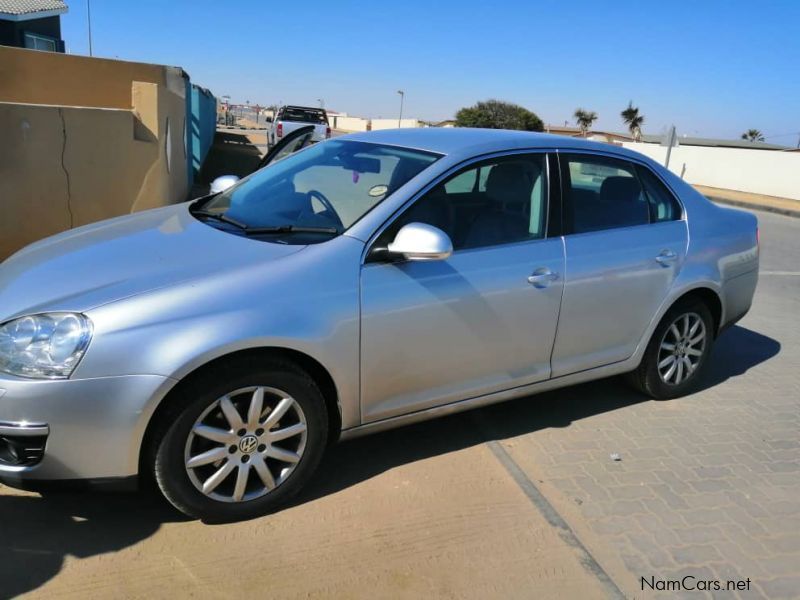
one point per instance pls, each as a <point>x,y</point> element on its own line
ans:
<point>89,23</point>
<point>402,97</point>
<point>670,143</point>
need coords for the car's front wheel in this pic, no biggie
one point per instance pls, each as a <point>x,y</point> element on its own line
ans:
<point>677,353</point>
<point>240,441</point>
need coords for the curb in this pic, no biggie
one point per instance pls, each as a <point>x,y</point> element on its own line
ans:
<point>787,212</point>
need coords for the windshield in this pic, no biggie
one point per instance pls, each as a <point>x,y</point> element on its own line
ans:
<point>328,186</point>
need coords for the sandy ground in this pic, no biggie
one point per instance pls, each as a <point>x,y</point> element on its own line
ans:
<point>453,525</point>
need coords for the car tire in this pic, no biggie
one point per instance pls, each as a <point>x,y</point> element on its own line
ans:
<point>199,402</point>
<point>653,376</point>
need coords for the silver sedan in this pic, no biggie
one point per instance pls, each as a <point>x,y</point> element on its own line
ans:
<point>217,347</point>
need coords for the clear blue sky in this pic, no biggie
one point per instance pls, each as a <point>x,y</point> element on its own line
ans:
<point>714,68</point>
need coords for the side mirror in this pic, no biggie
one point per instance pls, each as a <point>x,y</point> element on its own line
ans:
<point>418,241</point>
<point>269,119</point>
<point>222,183</point>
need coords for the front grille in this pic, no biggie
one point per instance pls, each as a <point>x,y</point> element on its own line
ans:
<point>21,450</point>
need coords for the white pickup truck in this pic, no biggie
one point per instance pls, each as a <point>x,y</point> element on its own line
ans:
<point>290,118</point>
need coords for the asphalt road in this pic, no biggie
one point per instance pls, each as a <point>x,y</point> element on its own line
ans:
<point>516,500</point>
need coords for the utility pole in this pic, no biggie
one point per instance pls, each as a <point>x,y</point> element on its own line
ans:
<point>89,23</point>
<point>402,97</point>
<point>670,143</point>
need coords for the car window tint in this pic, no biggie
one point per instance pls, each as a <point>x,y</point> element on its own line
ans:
<point>462,183</point>
<point>603,193</point>
<point>510,208</point>
<point>663,206</point>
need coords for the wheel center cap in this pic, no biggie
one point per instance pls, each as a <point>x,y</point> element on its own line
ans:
<point>248,444</point>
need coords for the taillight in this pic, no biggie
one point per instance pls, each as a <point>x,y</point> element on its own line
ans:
<point>327,132</point>
<point>280,130</point>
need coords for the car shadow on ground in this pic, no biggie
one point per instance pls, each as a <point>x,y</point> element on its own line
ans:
<point>37,533</point>
<point>738,350</point>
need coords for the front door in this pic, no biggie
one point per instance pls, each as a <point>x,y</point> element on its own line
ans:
<point>625,244</point>
<point>483,320</point>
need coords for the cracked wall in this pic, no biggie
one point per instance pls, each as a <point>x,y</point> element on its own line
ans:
<point>65,166</point>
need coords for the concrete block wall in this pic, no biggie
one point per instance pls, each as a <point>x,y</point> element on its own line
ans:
<point>768,172</point>
<point>86,139</point>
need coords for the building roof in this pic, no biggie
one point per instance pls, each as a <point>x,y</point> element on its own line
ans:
<point>562,129</point>
<point>595,134</point>
<point>695,141</point>
<point>19,8</point>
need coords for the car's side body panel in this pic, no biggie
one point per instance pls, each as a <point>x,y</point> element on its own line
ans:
<point>170,333</point>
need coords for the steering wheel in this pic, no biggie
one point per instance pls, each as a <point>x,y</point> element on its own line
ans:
<point>331,212</point>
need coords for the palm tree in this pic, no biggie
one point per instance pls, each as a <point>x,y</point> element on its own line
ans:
<point>753,135</point>
<point>584,119</point>
<point>633,120</point>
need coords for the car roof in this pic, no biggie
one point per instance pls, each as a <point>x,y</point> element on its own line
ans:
<point>467,141</point>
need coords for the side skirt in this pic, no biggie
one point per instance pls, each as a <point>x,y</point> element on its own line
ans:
<point>448,409</point>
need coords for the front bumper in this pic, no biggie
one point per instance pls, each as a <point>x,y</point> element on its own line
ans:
<point>90,428</point>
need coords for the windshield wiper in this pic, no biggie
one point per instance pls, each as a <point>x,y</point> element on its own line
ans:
<point>220,217</point>
<point>289,229</point>
<point>276,229</point>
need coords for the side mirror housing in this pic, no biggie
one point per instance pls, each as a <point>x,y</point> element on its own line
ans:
<point>419,241</point>
<point>222,183</point>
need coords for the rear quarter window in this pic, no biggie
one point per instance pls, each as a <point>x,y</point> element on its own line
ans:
<point>663,205</point>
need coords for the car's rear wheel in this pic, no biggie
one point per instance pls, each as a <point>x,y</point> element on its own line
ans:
<point>675,358</point>
<point>239,442</point>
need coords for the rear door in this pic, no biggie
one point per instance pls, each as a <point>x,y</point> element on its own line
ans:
<point>625,244</point>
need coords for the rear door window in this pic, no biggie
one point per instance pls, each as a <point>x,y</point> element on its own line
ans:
<point>602,193</point>
<point>304,115</point>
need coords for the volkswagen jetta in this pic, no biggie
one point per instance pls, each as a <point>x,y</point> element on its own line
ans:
<point>219,346</point>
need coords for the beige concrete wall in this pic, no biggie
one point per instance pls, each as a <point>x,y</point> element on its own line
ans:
<point>767,172</point>
<point>378,124</point>
<point>65,165</point>
<point>360,124</point>
<point>351,123</point>
<point>31,77</point>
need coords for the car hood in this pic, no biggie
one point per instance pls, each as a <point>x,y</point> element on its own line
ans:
<point>107,261</point>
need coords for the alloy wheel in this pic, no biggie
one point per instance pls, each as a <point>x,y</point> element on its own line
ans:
<point>235,458</point>
<point>681,348</point>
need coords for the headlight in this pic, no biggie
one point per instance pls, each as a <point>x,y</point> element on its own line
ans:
<point>45,346</point>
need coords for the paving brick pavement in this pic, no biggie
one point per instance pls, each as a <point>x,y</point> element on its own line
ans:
<point>707,485</point>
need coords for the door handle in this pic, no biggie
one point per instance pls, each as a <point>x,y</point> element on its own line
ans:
<point>541,278</point>
<point>666,257</point>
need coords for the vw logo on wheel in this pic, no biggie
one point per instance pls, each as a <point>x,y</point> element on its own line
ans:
<point>248,443</point>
